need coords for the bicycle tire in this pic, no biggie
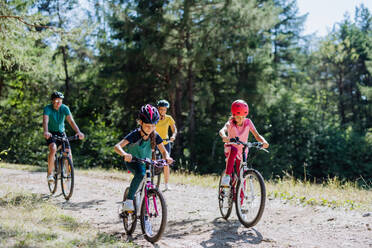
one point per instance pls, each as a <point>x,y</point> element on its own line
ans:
<point>154,195</point>
<point>67,177</point>
<point>53,186</point>
<point>225,196</point>
<point>129,218</point>
<point>245,201</point>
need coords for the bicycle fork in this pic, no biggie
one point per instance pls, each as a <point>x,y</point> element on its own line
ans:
<point>149,186</point>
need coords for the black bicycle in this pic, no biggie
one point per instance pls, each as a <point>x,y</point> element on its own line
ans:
<point>246,189</point>
<point>63,168</point>
<point>158,171</point>
<point>149,205</point>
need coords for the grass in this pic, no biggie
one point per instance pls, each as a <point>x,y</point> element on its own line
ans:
<point>30,220</point>
<point>333,193</point>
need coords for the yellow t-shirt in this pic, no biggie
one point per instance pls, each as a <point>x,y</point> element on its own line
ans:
<point>163,126</point>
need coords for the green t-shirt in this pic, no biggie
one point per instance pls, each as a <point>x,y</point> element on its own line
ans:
<point>56,118</point>
<point>138,147</point>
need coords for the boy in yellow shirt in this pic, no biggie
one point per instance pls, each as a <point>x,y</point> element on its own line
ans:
<point>162,128</point>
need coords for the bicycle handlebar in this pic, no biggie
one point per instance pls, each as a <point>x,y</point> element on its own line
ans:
<point>157,163</point>
<point>71,138</point>
<point>257,145</point>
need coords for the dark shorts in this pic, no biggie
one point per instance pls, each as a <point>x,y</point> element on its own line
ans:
<point>57,142</point>
<point>168,147</point>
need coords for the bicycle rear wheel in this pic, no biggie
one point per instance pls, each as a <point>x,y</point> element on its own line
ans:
<point>53,185</point>
<point>225,199</point>
<point>250,198</point>
<point>129,218</point>
<point>153,215</point>
<point>67,177</point>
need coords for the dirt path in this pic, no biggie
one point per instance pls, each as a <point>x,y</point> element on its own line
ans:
<point>194,219</point>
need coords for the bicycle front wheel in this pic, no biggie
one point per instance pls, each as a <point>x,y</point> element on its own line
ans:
<point>250,198</point>
<point>129,218</point>
<point>225,199</point>
<point>53,185</point>
<point>67,177</point>
<point>153,215</point>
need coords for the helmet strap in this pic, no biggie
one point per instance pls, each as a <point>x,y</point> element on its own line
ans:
<point>146,134</point>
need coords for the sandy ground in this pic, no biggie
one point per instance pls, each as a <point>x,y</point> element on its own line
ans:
<point>194,219</point>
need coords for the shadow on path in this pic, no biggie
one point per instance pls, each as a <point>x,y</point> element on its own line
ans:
<point>230,233</point>
<point>75,206</point>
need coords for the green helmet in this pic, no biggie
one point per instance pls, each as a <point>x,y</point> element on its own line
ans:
<point>163,103</point>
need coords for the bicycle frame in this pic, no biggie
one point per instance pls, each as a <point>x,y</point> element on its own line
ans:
<point>244,164</point>
<point>146,184</point>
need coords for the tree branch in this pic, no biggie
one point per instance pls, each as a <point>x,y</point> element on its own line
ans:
<point>28,24</point>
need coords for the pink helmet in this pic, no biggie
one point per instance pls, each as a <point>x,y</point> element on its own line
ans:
<point>239,107</point>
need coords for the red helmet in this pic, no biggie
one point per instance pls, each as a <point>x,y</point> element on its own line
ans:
<point>239,107</point>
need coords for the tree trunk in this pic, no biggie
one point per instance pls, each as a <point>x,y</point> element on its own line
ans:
<point>67,77</point>
<point>341,104</point>
<point>190,98</point>
<point>1,84</point>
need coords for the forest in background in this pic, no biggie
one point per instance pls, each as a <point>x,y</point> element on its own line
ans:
<point>309,96</point>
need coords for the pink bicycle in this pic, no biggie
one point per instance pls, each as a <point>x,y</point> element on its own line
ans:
<point>150,207</point>
<point>247,190</point>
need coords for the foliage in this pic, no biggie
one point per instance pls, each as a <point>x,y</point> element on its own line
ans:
<point>311,102</point>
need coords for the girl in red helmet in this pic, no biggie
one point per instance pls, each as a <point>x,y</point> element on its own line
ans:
<point>237,126</point>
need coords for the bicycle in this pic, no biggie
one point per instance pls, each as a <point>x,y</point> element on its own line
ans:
<point>149,205</point>
<point>63,168</point>
<point>158,171</point>
<point>249,204</point>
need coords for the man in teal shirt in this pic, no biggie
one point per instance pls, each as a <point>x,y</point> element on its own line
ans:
<point>54,124</point>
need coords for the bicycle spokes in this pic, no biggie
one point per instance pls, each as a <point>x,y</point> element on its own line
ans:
<point>66,175</point>
<point>250,200</point>
<point>153,215</point>
<point>67,178</point>
<point>225,199</point>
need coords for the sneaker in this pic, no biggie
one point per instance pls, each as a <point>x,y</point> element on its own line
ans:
<point>128,205</point>
<point>50,179</point>
<point>148,228</point>
<point>225,182</point>
<point>167,187</point>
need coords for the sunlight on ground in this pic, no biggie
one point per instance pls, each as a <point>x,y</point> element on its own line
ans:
<point>31,220</point>
<point>332,193</point>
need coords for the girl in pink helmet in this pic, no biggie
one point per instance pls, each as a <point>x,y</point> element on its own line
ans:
<point>237,126</point>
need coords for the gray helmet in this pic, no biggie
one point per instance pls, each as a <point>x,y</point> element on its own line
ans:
<point>163,103</point>
<point>57,94</point>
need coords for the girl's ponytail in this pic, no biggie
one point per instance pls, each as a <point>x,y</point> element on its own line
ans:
<point>233,119</point>
<point>153,144</point>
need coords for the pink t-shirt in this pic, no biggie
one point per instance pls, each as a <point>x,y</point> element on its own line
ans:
<point>242,132</point>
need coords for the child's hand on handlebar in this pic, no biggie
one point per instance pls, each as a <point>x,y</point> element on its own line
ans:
<point>265,145</point>
<point>128,157</point>
<point>225,139</point>
<point>169,160</point>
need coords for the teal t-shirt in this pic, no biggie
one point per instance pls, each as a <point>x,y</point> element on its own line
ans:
<point>56,118</point>
<point>138,147</point>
